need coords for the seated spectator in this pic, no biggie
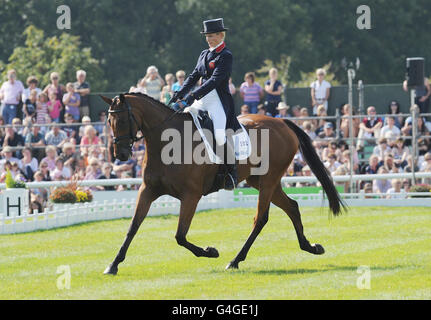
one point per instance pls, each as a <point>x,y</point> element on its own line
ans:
<point>320,91</point>
<point>251,92</point>
<point>422,128</point>
<point>383,185</point>
<point>28,164</point>
<point>262,111</point>
<point>166,94</point>
<point>12,139</point>
<point>390,127</point>
<point>306,172</point>
<point>389,164</point>
<point>93,171</point>
<point>327,134</point>
<point>345,123</point>
<point>153,83</point>
<point>69,156</point>
<point>282,109</point>
<point>35,140</point>
<point>346,161</point>
<point>368,188</point>
<point>54,107</point>
<point>100,127</point>
<point>341,171</point>
<point>382,149</point>
<point>332,148</point>
<point>369,128</point>
<point>410,163</point>
<point>7,156</point>
<point>45,171</point>
<point>29,106</point>
<point>32,83</point>
<point>373,165</point>
<point>406,185</point>
<point>107,174</point>
<point>273,90</point>
<point>5,167</point>
<point>41,192</point>
<point>56,137</point>
<point>307,126</point>
<point>331,163</point>
<point>90,138</point>
<point>400,152</point>
<point>86,121</point>
<point>394,111</point>
<point>71,131</point>
<point>51,155</point>
<point>124,166</point>
<point>60,170</point>
<point>72,101</point>
<point>396,192</point>
<point>426,164</point>
<point>245,109</point>
<point>320,123</point>
<point>303,113</point>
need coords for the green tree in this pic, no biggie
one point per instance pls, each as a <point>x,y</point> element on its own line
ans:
<point>40,56</point>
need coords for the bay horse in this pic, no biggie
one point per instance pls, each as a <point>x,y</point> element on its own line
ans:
<point>133,112</point>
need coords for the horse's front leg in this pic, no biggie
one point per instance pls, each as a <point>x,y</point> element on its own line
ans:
<point>187,211</point>
<point>143,203</point>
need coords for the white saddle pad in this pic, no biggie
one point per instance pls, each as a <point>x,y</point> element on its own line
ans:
<point>241,140</point>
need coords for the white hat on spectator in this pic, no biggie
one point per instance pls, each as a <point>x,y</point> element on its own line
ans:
<point>283,106</point>
<point>86,119</point>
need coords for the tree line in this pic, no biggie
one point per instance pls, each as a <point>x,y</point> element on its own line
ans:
<point>122,38</point>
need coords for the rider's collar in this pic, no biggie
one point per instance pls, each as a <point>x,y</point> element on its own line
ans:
<point>219,47</point>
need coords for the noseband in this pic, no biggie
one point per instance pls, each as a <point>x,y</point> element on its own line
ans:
<point>130,137</point>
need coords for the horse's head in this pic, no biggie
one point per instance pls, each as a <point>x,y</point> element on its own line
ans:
<point>121,120</point>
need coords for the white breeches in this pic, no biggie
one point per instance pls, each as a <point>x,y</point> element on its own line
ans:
<point>212,104</point>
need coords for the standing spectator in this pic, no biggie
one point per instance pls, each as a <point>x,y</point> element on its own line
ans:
<point>54,107</point>
<point>273,89</point>
<point>232,88</point>
<point>32,83</point>
<point>56,137</point>
<point>423,93</point>
<point>30,103</point>
<point>282,110</point>
<point>153,83</point>
<point>369,128</point>
<point>10,95</point>
<point>83,89</point>
<point>251,92</point>
<point>42,111</point>
<point>55,86</point>
<point>320,91</point>
<point>72,101</point>
<point>166,94</point>
<point>181,76</point>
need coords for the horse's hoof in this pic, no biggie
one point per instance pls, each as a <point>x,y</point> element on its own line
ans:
<point>211,252</point>
<point>111,270</point>
<point>232,265</point>
<point>318,249</point>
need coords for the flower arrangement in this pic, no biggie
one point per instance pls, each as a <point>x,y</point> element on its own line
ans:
<point>12,183</point>
<point>421,188</point>
<point>71,194</point>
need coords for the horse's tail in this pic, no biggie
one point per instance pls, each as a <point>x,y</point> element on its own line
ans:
<point>318,168</point>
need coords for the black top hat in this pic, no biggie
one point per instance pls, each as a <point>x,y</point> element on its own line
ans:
<point>213,26</point>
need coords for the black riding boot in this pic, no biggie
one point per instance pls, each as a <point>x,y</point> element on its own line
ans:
<point>231,178</point>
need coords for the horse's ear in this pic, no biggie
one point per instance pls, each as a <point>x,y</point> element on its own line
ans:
<point>107,100</point>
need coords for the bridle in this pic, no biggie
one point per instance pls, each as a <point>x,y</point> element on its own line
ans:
<point>131,117</point>
<point>130,137</point>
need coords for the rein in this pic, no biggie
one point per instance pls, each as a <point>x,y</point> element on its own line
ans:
<point>132,119</point>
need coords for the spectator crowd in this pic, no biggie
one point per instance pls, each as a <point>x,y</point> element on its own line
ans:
<point>47,134</point>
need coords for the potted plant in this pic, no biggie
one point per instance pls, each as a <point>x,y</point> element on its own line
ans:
<point>71,194</point>
<point>15,196</point>
<point>421,188</point>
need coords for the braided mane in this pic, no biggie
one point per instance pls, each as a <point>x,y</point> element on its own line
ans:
<point>150,99</point>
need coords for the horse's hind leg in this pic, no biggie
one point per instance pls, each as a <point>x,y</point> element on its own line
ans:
<point>187,212</point>
<point>281,200</point>
<point>143,203</point>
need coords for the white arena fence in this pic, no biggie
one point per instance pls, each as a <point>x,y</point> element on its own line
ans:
<point>108,205</point>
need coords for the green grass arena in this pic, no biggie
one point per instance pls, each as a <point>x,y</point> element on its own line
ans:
<point>393,244</point>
